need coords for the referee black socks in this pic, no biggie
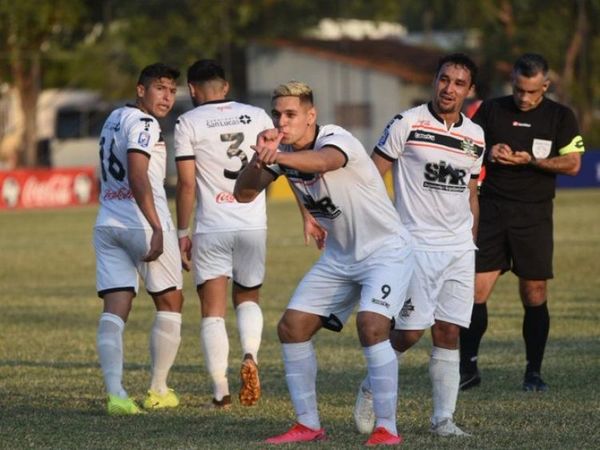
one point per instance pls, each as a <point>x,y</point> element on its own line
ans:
<point>471,338</point>
<point>536,325</point>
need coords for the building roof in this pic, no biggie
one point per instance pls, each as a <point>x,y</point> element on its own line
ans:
<point>409,62</point>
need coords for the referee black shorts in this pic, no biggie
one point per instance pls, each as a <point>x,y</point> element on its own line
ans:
<point>515,236</point>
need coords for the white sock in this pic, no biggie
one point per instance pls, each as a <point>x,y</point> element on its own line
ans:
<point>250,325</point>
<point>300,363</point>
<point>445,378</point>
<point>216,353</point>
<point>109,343</point>
<point>164,343</point>
<point>366,384</point>
<point>383,377</point>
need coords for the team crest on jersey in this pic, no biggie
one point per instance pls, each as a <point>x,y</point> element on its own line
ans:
<point>144,139</point>
<point>469,147</point>
<point>407,308</point>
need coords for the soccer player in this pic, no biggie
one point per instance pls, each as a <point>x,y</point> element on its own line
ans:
<point>367,258</point>
<point>134,235</point>
<point>436,155</point>
<point>530,139</point>
<point>212,145</point>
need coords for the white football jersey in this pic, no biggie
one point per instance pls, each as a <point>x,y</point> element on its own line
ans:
<point>128,129</point>
<point>432,169</point>
<point>218,136</point>
<point>351,203</point>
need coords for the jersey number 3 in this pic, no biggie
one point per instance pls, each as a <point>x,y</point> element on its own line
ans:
<point>234,151</point>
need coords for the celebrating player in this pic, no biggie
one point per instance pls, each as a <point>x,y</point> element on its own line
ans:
<point>367,258</point>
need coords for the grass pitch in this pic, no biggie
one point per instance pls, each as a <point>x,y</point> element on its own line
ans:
<point>51,391</point>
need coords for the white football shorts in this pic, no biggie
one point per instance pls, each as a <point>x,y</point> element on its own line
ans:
<point>441,288</point>
<point>119,253</point>
<point>377,283</point>
<point>239,255</point>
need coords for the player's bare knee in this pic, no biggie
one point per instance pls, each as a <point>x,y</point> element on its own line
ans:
<point>533,292</point>
<point>170,301</point>
<point>402,340</point>
<point>372,328</point>
<point>445,335</point>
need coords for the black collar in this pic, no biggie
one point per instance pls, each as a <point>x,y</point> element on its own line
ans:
<point>458,123</point>
<point>212,102</point>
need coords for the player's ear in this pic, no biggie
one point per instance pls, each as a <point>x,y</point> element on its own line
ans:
<point>312,116</point>
<point>140,90</point>
<point>192,89</point>
<point>225,88</point>
<point>546,85</point>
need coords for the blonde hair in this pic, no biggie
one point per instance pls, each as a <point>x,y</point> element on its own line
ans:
<point>294,89</point>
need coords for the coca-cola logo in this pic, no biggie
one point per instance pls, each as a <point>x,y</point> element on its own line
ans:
<point>121,194</point>
<point>225,197</point>
<point>10,192</point>
<point>54,191</point>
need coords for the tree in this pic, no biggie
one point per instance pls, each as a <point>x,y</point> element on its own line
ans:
<point>27,28</point>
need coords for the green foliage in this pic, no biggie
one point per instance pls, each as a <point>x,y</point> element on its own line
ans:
<point>52,392</point>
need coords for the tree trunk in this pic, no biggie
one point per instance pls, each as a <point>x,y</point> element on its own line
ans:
<point>572,53</point>
<point>26,75</point>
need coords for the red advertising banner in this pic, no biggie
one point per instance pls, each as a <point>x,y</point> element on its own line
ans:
<point>48,188</point>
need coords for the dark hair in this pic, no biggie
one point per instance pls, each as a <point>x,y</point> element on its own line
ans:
<point>458,59</point>
<point>205,70</point>
<point>530,64</point>
<point>156,71</point>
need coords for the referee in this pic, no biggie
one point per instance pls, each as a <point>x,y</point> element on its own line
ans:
<point>529,139</point>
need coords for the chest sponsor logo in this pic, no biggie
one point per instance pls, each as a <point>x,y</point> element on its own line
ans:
<point>120,194</point>
<point>521,124</point>
<point>225,197</point>
<point>442,176</point>
<point>419,135</point>
<point>229,121</point>
<point>541,148</point>
<point>323,207</point>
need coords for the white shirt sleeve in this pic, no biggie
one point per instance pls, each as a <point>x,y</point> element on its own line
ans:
<point>183,138</point>
<point>393,138</point>
<point>143,133</point>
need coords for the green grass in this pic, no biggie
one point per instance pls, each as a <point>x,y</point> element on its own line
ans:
<point>51,391</point>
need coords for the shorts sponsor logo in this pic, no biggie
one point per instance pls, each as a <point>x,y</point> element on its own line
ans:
<point>225,197</point>
<point>407,308</point>
<point>378,301</point>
